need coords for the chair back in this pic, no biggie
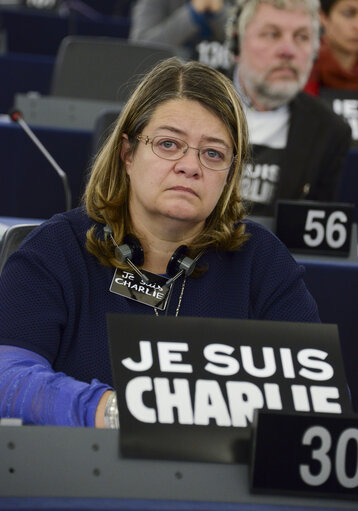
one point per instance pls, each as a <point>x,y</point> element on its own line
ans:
<point>11,239</point>
<point>103,126</point>
<point>103,68</point>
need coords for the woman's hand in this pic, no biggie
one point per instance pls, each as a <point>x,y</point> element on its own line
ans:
<point>207,5</point>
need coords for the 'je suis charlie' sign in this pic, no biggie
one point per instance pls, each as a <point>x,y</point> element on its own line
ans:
<point>188,387</point>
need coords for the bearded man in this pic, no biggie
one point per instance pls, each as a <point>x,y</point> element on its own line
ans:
<point>299,145</point>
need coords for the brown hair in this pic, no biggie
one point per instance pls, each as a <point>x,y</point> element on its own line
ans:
<point>107,193</point>
<point>326,5</point>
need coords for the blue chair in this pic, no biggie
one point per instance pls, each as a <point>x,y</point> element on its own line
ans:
<point>11,239</point>
<point>334,285</point>
<point>103,68</point>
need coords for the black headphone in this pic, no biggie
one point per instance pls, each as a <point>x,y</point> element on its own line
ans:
<point>232,35</point>
<point>131,251</point>
<point>180,263</point>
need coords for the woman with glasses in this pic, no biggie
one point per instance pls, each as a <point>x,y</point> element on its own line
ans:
<point>162,231</point>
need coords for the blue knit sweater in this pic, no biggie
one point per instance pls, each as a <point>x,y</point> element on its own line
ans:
<point>54,296</point>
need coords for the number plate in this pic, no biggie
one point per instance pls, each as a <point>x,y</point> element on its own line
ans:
<point>315,227</point>
<point>305,454</point>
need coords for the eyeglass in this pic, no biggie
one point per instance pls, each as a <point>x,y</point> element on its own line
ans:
<point>172,148</point>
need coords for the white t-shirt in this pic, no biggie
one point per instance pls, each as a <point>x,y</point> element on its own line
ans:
<point>268,133</point>
<point>268,128</point>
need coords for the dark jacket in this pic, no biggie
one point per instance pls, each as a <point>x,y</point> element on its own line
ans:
<point>317,144</point>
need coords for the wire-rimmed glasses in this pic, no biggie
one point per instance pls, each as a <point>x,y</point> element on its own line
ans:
<point>172,148</point>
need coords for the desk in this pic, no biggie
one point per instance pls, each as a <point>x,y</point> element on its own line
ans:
<point>29,186</point>
<point>55,461</point>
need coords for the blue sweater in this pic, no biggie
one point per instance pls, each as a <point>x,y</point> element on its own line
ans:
<point>54,296</point>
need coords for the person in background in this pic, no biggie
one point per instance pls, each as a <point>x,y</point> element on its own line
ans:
<point>337,64</point>
<point>169,176</point>
<point>198,26</point>
<point>92,9</point>
<point>299,144</point>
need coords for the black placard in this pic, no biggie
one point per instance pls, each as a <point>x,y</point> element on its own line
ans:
<point>216,372</point>
<point>305,454</point>
<point>312,227</point>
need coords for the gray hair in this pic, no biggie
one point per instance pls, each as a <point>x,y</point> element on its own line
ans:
<point>244,11</point>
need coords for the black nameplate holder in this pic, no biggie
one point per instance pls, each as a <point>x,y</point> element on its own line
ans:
<point>312,227</point>
<point>187,388</point>
<point>307,455</point>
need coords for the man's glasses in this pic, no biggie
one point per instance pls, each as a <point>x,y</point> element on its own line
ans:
<point>172,148</point>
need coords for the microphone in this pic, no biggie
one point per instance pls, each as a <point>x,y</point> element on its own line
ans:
<point>16,116</point>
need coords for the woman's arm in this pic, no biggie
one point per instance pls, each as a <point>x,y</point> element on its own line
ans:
<point>31,390</point>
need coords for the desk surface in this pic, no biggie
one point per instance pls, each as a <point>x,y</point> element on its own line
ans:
<point>81,465</point>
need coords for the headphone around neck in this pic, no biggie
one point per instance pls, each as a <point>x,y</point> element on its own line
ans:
<point>131,251</point>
